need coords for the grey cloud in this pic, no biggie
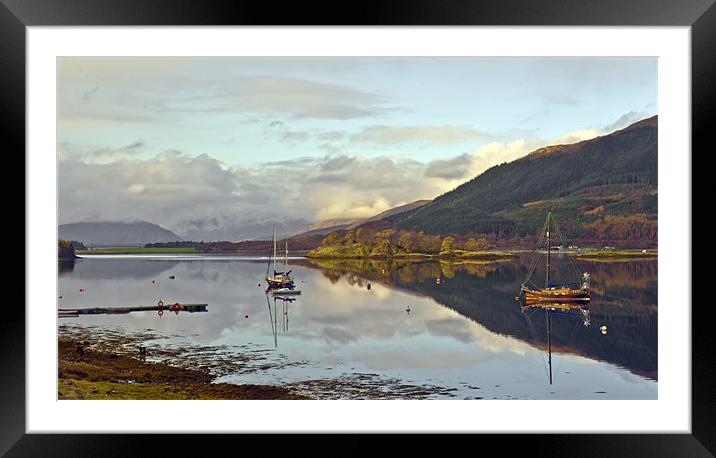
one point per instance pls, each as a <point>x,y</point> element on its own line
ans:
<point>134,145</point>
<point>87,96</point>
<point>180,191</point>
<point>449,169</point>
<point>68,151</point>
<point>337,163</point>
<point>168,95</point>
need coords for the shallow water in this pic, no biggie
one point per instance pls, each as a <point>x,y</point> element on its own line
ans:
<point>464,337</point>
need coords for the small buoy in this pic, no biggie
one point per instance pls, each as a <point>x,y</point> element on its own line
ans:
<point>171,277</point>
<point>368,286</point>
<point>82,290</point>
<point>246,316</point>
<point>259,285</point>
<point>153,281</point>
<point>604,329</point>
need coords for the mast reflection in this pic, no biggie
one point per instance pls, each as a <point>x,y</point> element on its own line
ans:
<point>273,313</point>
<point>529,308</point>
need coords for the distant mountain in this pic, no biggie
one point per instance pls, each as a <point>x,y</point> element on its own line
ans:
<point>235,232</point>
<point>111,233</point>
<point>331,225</point>
<point>326,227</point>
<point>391,212</point>
<point>602,189</point>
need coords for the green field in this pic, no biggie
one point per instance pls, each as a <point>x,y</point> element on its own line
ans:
<point>138,250</point>
<point>618,255</point>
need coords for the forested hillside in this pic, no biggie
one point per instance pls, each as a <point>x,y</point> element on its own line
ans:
<point>601,189</point>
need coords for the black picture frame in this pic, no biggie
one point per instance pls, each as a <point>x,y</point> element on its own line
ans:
<point>700,15</point>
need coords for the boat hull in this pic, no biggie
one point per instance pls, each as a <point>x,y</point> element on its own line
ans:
<point>278,282</point>
<point>555,295</point>
<point>285,291</point>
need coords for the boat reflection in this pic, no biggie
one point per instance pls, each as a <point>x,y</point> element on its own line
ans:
<point>530,308</point>
<point>622,294</point>
<point>273,314</point>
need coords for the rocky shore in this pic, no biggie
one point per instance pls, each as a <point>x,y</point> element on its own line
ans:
<point>87,372</point>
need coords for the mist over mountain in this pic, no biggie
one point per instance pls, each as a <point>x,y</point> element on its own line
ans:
<point>255,230</point>
<point>331,225</point>
<point>119,233</point>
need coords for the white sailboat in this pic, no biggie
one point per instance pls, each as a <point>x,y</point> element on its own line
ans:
<point>279,280</point>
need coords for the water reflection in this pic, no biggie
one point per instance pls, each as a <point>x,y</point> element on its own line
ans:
<point>623,294</point>
<point>529,310</point>
<point>463,325</point>
<point>273,315</point>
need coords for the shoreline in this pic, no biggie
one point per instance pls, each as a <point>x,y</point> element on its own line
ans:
<point>501,255</point>
<point>85,372</point>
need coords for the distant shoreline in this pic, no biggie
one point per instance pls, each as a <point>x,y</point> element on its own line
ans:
<point>456,255</point>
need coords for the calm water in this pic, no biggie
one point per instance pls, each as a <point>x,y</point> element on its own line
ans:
<point>464,337</point>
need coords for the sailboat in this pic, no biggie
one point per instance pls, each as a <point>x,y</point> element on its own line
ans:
<point>279,280</point>
<point>577,291</point>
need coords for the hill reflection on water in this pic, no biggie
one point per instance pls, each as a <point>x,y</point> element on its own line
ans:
<point>624,297</point>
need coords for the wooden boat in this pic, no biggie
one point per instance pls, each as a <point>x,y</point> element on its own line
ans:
<point>278,279</point>
<point>577,291</point>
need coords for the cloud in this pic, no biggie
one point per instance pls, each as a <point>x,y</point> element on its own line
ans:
<point>68,151</point>
<point>87,96</point>
<point>165,90</point>
<point>183,192</point>
<point>626,119</point>
<point>278,130</point>
<point>382,135</point>
<point>164,189</point>
<point>454,168</point>
<point>179,191</point>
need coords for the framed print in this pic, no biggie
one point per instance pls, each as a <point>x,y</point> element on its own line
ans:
<point>408,219</point>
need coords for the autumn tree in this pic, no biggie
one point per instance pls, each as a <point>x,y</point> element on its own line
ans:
<point>448,243</point>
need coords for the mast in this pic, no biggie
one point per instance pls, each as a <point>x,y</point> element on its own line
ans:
<point>274,247</point>
<point>549,344</point>
<point>285,259</point>
<point>549,246</point>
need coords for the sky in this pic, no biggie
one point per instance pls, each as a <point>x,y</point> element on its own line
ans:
<point>193,143</point>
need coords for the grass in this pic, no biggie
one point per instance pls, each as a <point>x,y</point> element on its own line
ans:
<point>138,250</point>
<point>86,373</point>
<point>617,254</point>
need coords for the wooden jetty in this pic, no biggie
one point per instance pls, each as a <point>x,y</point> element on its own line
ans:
<point>191,308</point>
